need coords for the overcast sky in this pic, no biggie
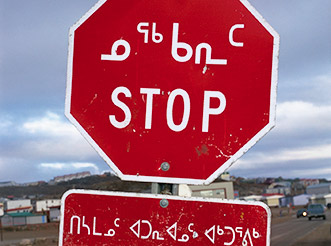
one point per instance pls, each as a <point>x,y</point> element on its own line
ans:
<point>37,142</point>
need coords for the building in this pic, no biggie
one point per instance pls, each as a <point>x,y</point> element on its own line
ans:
<point>319,189</point>
<point>17,206</point>
<point>327,199</point>
<point>44,205</point>
<point>260,180</point>
<point>1,209</point>
<point>36,183</point>
<point>309,182</point>
<point>222,190</point>
<point>54,213</point>
<point>184,190</point>
<point>279,187</point>
<point>279,190</point>
<point>286,201</point>
<point>273,200</point>
<point>319,198</point>
<point>301,200</point>
<point>68,177</point>
<point>19,219</point>
<point>225,176</point>
<point>253,198</point>
<point>8,183</point>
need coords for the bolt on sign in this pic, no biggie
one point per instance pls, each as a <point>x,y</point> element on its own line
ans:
<point>172,91</point>
<point>94,218</point>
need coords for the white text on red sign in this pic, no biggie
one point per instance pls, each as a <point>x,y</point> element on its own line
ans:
<point>150,92</point>
<point>143,27</point>
<point>143,229</point>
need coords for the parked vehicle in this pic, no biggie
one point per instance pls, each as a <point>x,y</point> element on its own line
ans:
<point>302,213</point>
<point>316,211</point>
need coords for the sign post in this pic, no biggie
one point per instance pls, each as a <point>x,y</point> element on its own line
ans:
<point>1,230</point>
<point>170,92</point>
<point>95,218</point>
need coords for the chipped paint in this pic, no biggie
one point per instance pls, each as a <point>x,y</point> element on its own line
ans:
<point>220,151</point>
<point>204,70</point>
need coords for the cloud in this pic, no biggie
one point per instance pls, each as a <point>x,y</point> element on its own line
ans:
<point>49,125</point>
<point>302,135</point>
<point>5,125</point>
<point>51,137</point>
<point>297,115</point>
<point>71,166</point>
<point>52,165</point>
<point>300,154</point>
<point>314,88</point>
<point>44,147</point>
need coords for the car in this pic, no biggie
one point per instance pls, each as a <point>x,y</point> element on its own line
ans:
<point>316,211</point>
<point>302,213</point>
<point>328,205</point>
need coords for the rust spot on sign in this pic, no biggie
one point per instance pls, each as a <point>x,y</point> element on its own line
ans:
<point>203,150</point>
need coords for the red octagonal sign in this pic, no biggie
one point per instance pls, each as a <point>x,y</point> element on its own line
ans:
<point>172,91</point>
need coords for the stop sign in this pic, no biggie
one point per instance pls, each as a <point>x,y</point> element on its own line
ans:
<point>172,91</point>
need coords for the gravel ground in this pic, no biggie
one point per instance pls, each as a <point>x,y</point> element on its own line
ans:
<point>321,236</point>
<point>42,235</point>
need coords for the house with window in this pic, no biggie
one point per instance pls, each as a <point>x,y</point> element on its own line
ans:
<point>20,219</point>
<point>45,205</point>
<point>17,206</point>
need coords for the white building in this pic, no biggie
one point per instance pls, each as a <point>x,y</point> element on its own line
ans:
<point>222,190</point>
<point>273,201</point>
<point>327,199</point>
<point>184,190</point>
<point>44,205</point>
<point>8,183</point>
<point>1,209</point>
<point>323,199</point>
<point>318,189</point>
<point>18,206</point>
<point>253,198</point>
<point>69,177</point>
<point>301,200</point>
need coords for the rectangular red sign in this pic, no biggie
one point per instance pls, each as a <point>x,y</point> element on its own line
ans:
<point>116,218</point>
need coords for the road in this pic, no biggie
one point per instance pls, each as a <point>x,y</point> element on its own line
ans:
<point>287,233</point>
<point>292,232</point>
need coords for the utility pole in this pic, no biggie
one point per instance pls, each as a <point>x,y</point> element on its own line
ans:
<point>1,231</point>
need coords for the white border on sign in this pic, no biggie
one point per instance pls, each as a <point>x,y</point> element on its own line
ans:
<point>158,196</point>
<point>174,180</point>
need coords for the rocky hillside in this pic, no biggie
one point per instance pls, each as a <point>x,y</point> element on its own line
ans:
<point>108,183</point>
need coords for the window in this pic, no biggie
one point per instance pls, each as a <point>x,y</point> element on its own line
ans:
<point>220,193</point>
<point>205,193</point>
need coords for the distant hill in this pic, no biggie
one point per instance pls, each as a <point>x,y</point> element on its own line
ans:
<point>96,182</point>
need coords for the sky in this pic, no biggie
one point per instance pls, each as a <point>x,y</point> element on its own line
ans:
<point>37,142</point>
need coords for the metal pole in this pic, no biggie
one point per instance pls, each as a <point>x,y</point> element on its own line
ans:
<point>166,189</point>
<point>1,230</point>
